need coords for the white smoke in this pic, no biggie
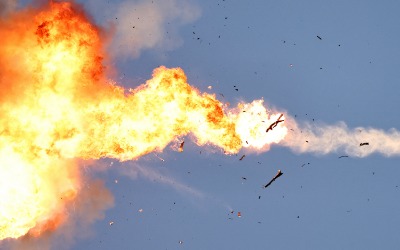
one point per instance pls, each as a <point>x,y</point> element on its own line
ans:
<point>324,139</point>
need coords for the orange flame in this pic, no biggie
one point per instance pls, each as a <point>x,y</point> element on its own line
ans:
<point>56,105</point>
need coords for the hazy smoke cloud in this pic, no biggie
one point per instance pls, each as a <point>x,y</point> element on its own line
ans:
<point>140,25</point>
<point>324,139</point>
<point>7,6</point>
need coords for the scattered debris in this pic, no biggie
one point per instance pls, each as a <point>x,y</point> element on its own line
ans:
<point>241,158</point>
<point>180,242</point>
<point>273,179</point>
<point>274,124</point>
<point>111,223</point>
<point>364,144</point>
<point>244,178</point>
<point>140,210</point>
<point>181,147</point>
<point>319,37</point>
<point>239,214</point>
<point>259,197</point>
<point>343,156</point>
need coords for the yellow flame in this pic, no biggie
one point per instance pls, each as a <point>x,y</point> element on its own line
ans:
<point>56,105</point>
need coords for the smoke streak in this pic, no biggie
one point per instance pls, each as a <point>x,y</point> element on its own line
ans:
<point>324,139</point>
<point>135,170</point>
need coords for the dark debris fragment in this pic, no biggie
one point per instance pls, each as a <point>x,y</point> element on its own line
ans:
<point>274,124</point>
<point>273,179</point>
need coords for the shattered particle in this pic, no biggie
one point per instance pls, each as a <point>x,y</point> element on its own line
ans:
<point>116,181</point>
<point>241,158</point>
<point>140,210</point>
<point>343,156</point>
<point>319,37</point>
<point>111,223</point>
<point>209,87</point>
<point>364,144</point>
<point>180,242</point>
<point>239,214</point>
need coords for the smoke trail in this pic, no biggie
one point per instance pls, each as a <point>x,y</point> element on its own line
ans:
<point>324,139</point>
<point>135,170</point>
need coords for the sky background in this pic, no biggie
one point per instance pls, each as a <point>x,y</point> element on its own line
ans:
<point>267,49</point>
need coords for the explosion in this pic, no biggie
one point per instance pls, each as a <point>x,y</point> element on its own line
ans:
<point>57,106</point>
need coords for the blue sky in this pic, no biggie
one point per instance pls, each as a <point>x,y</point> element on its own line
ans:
<point>270,50</point>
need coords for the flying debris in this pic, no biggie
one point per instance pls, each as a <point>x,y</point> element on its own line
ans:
<point>273,179</point>
<point>274,124</point>
<point>364,144</point>
<point>343,156</point>
<point>239,214</point>
<point>241,158</point>
<point>181,146</point>
<point>319,37</point>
